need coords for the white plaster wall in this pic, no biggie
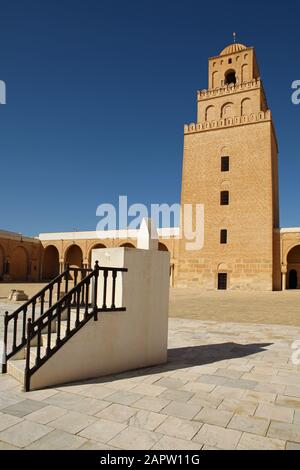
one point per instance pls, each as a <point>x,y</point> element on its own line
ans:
<point>119,341</point>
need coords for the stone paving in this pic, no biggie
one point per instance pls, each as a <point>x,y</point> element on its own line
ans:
<point>280,308</point>
<point>225,386</point>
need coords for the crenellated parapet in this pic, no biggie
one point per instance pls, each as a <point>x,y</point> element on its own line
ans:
<point>228,122</point>
<point>229,89</point>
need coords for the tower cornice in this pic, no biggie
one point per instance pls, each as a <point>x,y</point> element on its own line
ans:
<point>229,89</point>
<point>253,118</point>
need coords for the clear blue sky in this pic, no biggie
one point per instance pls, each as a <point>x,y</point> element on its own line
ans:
<point>98,92</point>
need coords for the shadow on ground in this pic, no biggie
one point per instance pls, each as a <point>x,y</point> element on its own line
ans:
<point>183,358</point>
<point>206,354</point>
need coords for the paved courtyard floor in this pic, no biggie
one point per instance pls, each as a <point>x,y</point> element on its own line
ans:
<point>234,306</point>
<point>225,386</point>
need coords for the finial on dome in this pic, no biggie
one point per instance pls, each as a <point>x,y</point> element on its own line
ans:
<point>234,37</point>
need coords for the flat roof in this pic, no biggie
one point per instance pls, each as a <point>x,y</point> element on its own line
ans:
<point>290,230</point>
<point>17,236</point>
<point>102,234</point>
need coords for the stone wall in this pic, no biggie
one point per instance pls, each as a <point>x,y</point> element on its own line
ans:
<point>20,257</point>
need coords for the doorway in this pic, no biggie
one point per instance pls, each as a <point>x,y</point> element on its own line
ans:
<point>222,281</point>
<point>293,279</point>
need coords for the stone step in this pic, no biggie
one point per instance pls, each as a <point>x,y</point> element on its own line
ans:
<point>44,342</point>
<point>16,369</point>
<point>63,326</point>
<point>45,339</point>
<point>33,353</point>
<point>16,365</point>
<point>63,329</point>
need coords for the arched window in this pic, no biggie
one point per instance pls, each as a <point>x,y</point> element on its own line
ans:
<point>50,263</point>
<point>214,79</point>
<point>230,77</point>
<point>162,247</point>
<point>227,110</point>
<point>74,256</point>
<point>210,113</point>
<point>246,107</point>
<point>245,73</point>
<point>293,261</point>
<point>94,247</point>
<point>127,245</point>
<point>19,264</point>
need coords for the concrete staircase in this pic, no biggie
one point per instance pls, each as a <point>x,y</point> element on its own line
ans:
<point>16,365</point>
<point>37,331</point>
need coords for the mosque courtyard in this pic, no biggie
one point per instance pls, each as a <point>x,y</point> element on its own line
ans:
<point>230,383</point>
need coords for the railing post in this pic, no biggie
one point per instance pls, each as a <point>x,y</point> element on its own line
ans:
<point>49,326</point>
<point>95,290</point>
<point>33,310</point>
<point>42,303</point>
<point>58,290</point>
<point>4,352</point>
<point>73,301</point>
<point>58,325</point>
<point>67,277</point>
<point>68,307</point>
<point>50,297</point>
<point>105,274</point>
<point>24,325</point>
<point>87,294</point>
<point>39,345</point>
<point>27,364</point>
<point>16,318</point>
<point>113,295</point>
<point>77,303</point>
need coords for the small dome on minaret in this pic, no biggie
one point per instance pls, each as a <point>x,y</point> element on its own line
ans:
<point>232,48</point>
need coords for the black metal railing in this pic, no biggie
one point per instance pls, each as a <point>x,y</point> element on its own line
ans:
<point>63,319</point>
<point>15,323</point>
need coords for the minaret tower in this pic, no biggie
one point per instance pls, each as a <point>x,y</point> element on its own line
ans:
<point>230,166</point>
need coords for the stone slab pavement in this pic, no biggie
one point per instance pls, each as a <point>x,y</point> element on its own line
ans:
<point>280,308</point>
<point>225,386</point>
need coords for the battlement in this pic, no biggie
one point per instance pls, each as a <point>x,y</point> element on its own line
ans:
<point>229,89</point>
<point>228,122</point>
